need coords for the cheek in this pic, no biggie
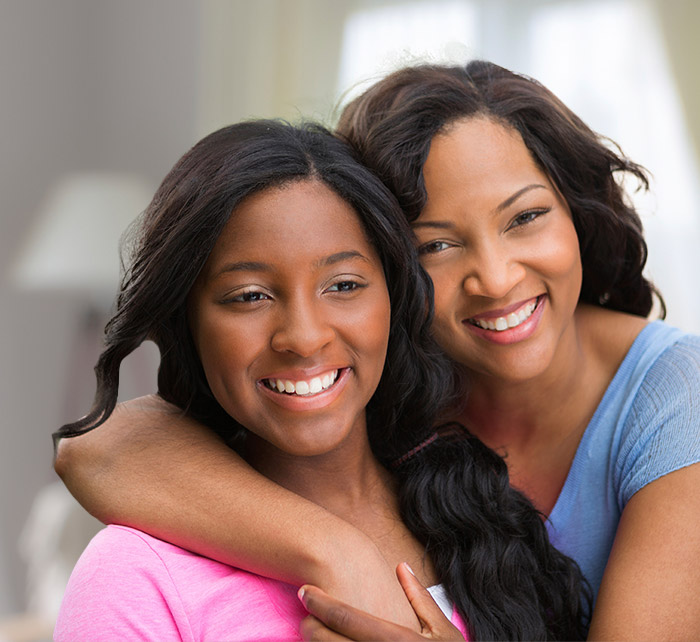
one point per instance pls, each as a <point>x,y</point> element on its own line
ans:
<point>447,293</point>
<point>563,261</point>
<point>379,322</point>
<point>447,298</point>
<point>224,356</point>
<point>365,330</point>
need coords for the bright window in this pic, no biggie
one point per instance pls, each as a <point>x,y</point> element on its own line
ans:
<point>604,58</point>
<point>382,38</point>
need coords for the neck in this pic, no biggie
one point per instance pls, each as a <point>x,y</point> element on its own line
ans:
<point>350,483</point>
<point>538,423</point>
<point>345,481</point>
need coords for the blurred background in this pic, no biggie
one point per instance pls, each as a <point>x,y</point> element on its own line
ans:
<point>99,98</point>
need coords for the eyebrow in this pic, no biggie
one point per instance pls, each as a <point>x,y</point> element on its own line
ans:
<point>338,257</point>
<point>244,266</point>
<point>441,225</point>
<point>256,266</point>
<point>446,225</point>
<point>511,199</point>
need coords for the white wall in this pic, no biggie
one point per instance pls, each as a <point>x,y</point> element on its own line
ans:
<point>84,84</point>
<point>129,85</point>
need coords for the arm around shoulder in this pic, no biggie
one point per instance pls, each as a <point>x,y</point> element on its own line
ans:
<point>152,467</point>
<point>91,464</point>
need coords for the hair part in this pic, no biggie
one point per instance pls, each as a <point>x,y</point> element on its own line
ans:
<point>393,123</point>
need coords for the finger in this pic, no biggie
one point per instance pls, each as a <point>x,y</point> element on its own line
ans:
<point>434,622</point>
<point>351,622</point>
<point>422,602</point>
<point>313,630</point>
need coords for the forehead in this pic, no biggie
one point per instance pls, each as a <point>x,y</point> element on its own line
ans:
<point>479,154</point>
<point>300,218</point>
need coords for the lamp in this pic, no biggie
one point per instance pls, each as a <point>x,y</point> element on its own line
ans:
<point>74,242</point>
<point>73,248</point>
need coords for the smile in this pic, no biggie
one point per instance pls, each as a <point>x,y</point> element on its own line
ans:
<point>303,388</point>
<point>511,320</point>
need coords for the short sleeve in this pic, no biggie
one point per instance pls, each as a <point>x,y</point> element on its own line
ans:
<point>119,590</point>
<point>662,430</point>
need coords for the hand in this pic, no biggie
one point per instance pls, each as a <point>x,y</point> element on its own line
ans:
<point>331,619</point>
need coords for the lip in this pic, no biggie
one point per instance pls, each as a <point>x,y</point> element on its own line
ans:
<point>299,374</point>
<point>512,335</point>
<point>502,312</point>
<point>301,403</point>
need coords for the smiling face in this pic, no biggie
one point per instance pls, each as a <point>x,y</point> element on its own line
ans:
<point>498,241</point>
<point>290,317</point>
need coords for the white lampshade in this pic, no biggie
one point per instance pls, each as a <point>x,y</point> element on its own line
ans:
<point>74,244</point>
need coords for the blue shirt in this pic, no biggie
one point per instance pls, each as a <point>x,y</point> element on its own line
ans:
<point>646,426</point>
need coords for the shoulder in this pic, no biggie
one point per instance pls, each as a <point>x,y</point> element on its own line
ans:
<point>130,585</point>
<point>116,548</point>
<point>661,431</point>
<point>120,589</point>
<point>668,396</point>
<point>671,372</point>
<point>635,352</point>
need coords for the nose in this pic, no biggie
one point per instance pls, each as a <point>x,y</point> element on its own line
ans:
<point>302,329</point>
<point>492,271</point>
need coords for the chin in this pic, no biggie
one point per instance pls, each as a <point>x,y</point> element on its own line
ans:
<point>511,365</point>
<point>312,443</point>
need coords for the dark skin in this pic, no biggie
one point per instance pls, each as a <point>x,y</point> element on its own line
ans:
<point>330,619</point>
<point>496,232</point>
<point>496,236</point>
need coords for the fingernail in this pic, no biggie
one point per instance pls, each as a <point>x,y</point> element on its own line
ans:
<point>300,594</point>
<point>409,568</point>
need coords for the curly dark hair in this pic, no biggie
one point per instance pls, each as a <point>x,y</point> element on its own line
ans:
<point>393,122</point>
<point>496,538</point>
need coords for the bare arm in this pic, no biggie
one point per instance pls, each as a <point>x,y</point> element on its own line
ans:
<point>154,469</point>
<point>650,589</point>
<point>651,585</point>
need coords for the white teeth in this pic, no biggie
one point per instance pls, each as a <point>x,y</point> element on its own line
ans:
<point>303,388</point>
<point>513,320</point>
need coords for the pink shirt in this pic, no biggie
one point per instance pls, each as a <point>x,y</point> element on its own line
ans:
<point>130,586</point>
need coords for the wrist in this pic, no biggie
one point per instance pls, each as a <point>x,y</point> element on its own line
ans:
<point>338,556</point>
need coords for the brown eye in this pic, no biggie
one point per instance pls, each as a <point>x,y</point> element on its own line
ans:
<point>527,217</point>
<point>252,296</point>
<point>343,286</point>
<point>433,247</point>
<point>347,285</point>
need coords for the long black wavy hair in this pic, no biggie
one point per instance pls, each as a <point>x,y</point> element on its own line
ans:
<point>488,543</point>
<point>393,123</point>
